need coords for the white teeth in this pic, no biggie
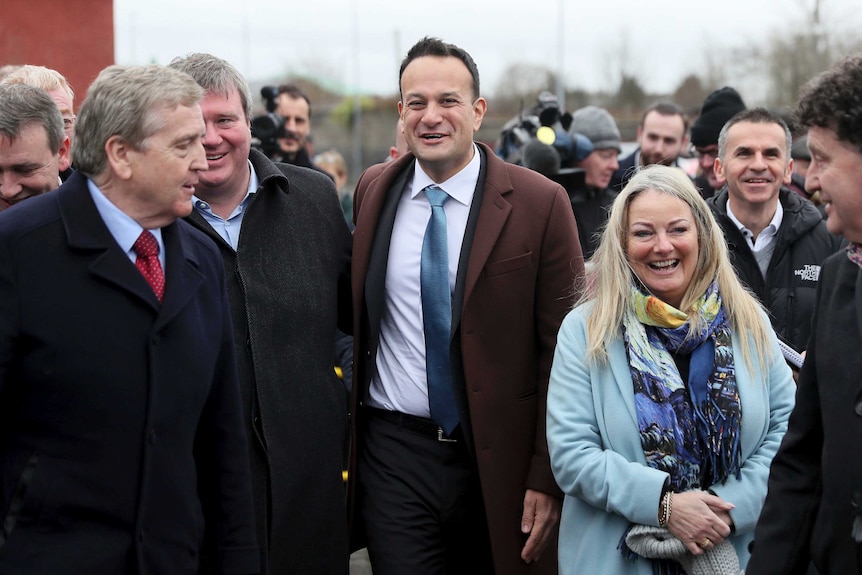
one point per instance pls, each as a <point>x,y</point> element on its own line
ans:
<point>664,264</point>
<point>215,157</point>
<point>433,137</point>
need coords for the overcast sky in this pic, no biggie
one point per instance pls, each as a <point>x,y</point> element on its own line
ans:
<point>351,43</point>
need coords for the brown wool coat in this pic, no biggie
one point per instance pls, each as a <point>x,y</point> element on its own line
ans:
<point>519,283</point>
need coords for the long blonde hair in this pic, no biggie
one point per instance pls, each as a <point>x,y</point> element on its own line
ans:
<point>609,277</point>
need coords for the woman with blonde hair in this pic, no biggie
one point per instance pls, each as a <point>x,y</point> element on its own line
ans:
<point>668,394</point>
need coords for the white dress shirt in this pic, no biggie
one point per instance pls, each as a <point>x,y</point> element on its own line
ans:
<point>763,245</point>
<point>400,383</point>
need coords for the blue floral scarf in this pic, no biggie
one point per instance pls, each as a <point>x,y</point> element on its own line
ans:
<point>690,430</point>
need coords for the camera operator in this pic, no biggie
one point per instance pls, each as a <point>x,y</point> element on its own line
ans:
<point>578,151</point>
<point>283,133</point>
<point>294,107</point>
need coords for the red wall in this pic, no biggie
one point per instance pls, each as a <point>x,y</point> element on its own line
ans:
<point>75,37</point>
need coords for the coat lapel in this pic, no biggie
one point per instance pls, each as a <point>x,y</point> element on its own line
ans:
<point>85,231</point>
<point>493,214</point>
<point>183,277</point>
<point>372,237</point>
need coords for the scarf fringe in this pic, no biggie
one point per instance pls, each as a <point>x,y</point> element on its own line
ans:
<point>722,456</point>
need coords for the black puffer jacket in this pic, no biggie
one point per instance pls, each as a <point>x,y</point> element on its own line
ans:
<point>803,244</point>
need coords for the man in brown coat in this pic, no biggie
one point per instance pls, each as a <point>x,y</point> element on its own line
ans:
<point>450,471</point>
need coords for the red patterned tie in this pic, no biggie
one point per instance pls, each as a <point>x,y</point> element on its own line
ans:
<point>147,249</point>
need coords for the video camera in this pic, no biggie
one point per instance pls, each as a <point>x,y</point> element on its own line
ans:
<point>545,124</point>
<point>268,128</point>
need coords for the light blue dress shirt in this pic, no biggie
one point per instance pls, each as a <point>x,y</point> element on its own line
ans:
<point>124,229</point>
<point>228,228</point>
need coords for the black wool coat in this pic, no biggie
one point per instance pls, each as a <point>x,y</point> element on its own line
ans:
<point>113,406</point>
<point>814,502</point>
<point>288,284</point>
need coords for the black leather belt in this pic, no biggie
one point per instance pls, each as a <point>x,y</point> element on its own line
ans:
<point>419,425</point>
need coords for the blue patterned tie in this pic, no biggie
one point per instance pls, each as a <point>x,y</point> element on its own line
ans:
<point>437,313</point>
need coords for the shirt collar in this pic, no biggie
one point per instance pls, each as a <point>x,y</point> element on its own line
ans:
<point>124,229</point>
<point>770,229</point>
<point>460,186</point>
<point>253,185</point>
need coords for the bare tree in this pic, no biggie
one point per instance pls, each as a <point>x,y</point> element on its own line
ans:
<point>521,84</point>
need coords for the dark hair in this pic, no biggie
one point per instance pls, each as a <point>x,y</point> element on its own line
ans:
<point>428,46</point>
<point>23,105</point>
<point>755,116</point>
<point>667,109</point>
<point>295,93</point>
<point>831,100</point>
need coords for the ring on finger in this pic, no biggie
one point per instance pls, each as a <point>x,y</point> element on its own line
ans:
<point>705,543</point>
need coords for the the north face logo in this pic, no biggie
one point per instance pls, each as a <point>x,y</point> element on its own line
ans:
<point>808,273</point>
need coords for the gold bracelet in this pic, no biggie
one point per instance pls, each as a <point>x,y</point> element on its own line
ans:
<point>666,508</point>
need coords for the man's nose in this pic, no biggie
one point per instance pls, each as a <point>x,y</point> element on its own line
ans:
<point>9,186</point>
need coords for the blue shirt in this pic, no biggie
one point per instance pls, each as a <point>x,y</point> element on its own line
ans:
<point>124,229</point>
<point>228,228</point>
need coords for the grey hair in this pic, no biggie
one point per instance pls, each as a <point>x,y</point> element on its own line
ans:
<point>754,116</point>
<point>610,277</point>
<point>22,105</point>
<point>127,101</point>
<point>215,75</point>
<point>40,77</point>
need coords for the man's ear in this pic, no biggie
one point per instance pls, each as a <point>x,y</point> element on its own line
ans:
<point>788,172</point>
<point>64,155</point>
<point>480,106</point>
<point>118,152</point>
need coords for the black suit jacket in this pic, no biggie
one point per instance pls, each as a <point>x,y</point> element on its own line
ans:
<point>120,423</point>
<point>815,482</point>
<point>625,171</point>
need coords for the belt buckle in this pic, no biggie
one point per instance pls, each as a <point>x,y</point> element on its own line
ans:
<point>442,439</point>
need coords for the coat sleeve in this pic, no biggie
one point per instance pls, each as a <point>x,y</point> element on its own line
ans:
<point>561,268</point>
<point>748,492</point>
<point>784,529</point>
<point>584,461</point>
<point>221,454</point>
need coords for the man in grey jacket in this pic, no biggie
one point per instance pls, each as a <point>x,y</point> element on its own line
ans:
<point>286,249</point>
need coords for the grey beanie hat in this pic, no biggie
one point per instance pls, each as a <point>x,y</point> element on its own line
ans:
<point>599,126</point>
<point>658,543</point>
<point>799,149</point>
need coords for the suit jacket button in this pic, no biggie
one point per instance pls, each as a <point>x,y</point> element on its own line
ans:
<point>152,437</point>
<point>858,409</point>
<point>156,339</point>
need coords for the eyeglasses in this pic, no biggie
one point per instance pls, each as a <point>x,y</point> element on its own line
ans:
<point>711,152</point>
<point>69,122</point>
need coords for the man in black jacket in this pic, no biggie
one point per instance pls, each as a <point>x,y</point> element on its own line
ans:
<point>777,240</point>
<point>286,250</point>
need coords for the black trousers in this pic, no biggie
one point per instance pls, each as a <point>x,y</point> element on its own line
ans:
<point>421,501</point>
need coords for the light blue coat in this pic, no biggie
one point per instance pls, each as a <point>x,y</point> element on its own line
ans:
<point>598,460</point>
